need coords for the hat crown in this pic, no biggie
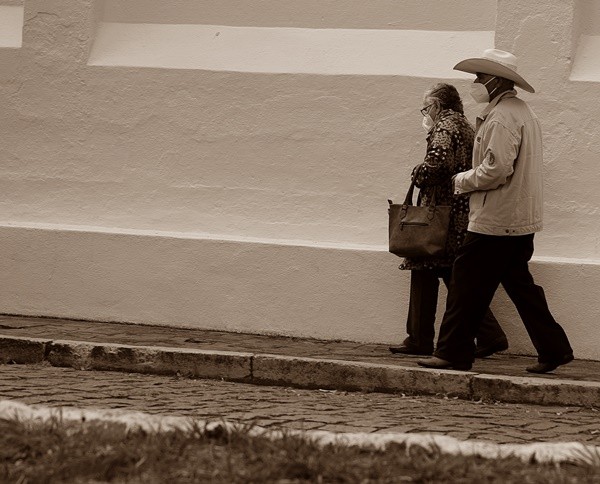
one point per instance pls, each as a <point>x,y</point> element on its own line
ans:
<point>501,57</point>
<point>495,62</point>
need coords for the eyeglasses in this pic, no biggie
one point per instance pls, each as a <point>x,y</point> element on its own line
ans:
<point>425,110</point>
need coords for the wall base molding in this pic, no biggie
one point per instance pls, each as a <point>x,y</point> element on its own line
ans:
<point>326,292</point>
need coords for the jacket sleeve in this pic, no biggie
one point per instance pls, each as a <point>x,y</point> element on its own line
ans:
<point>436,168</point>
<point>502,149</point>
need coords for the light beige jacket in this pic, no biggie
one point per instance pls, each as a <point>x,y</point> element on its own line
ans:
<point>505,183</point>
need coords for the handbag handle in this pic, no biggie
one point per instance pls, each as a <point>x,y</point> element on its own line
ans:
<point>408,200</point>
<point>411,189</point>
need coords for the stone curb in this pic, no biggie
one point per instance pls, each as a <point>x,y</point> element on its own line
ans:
<point>354,375</point>
<point>298,371</point>
<point>153,360</point>
<point>21,350</point>
<point>539,452</point>
<point>541,391</point>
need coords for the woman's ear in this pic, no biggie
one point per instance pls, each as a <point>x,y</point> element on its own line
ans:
<point>436,109</point>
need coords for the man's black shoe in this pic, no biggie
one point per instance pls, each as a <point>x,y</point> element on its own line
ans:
<point>409,350</point>
<point>441,364</point>
<point>551,365</point>
<point>491,349</point>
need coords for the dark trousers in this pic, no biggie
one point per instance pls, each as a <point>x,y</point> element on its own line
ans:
<point>482,264</point>
<point>424,288</point>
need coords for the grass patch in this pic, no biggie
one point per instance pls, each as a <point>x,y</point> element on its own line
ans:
<point>58,451</point>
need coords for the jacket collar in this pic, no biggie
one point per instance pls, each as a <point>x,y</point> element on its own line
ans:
<point>484,114</point>
<point>446,113</point>
<point>493,103</point>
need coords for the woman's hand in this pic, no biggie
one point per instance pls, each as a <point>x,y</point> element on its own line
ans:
<point>414,170</point>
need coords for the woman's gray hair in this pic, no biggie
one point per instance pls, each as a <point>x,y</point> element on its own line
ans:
<point>447,95</point>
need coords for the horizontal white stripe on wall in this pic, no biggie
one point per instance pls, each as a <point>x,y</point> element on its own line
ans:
<point>11,26</point>
<point>415,53</point>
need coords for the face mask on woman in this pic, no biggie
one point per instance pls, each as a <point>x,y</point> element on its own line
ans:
<point>480,93</point>
<point>427,122</point>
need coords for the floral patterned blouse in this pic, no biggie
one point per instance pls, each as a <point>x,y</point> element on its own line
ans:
<point>449,151</point>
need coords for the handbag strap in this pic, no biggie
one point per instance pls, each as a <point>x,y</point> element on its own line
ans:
<point>408,200</point>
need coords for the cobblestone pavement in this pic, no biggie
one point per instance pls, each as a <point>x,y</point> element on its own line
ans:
<point>299,409</point>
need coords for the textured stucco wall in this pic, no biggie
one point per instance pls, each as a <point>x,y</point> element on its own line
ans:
<point>266,158</point>
<point>308,157</point>
<point>545,37</point>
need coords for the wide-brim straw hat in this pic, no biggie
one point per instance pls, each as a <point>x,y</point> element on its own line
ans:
<point>495,62</point>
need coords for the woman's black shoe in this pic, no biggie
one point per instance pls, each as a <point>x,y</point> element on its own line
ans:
<point>409,350</point>
<point>441,364</point>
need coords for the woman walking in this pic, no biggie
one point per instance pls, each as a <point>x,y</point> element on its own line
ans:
<point>449,151</point>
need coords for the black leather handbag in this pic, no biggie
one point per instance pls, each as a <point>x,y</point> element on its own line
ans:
<point>418,230</point>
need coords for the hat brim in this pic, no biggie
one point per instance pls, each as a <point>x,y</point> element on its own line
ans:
<point>486,66</point>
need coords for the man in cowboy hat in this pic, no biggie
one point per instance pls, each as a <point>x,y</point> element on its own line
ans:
<point>505,211</point>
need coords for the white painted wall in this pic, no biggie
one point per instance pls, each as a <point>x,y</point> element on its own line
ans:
<point>119,178</point>
<point>261,154</point>
<point>11,26</point>
<point>269,50</point>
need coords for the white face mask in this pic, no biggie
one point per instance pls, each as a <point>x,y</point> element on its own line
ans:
<point>479,92</point>
<point>427,122</point>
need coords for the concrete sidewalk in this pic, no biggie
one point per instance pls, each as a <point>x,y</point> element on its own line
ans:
<point>284,361</point>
